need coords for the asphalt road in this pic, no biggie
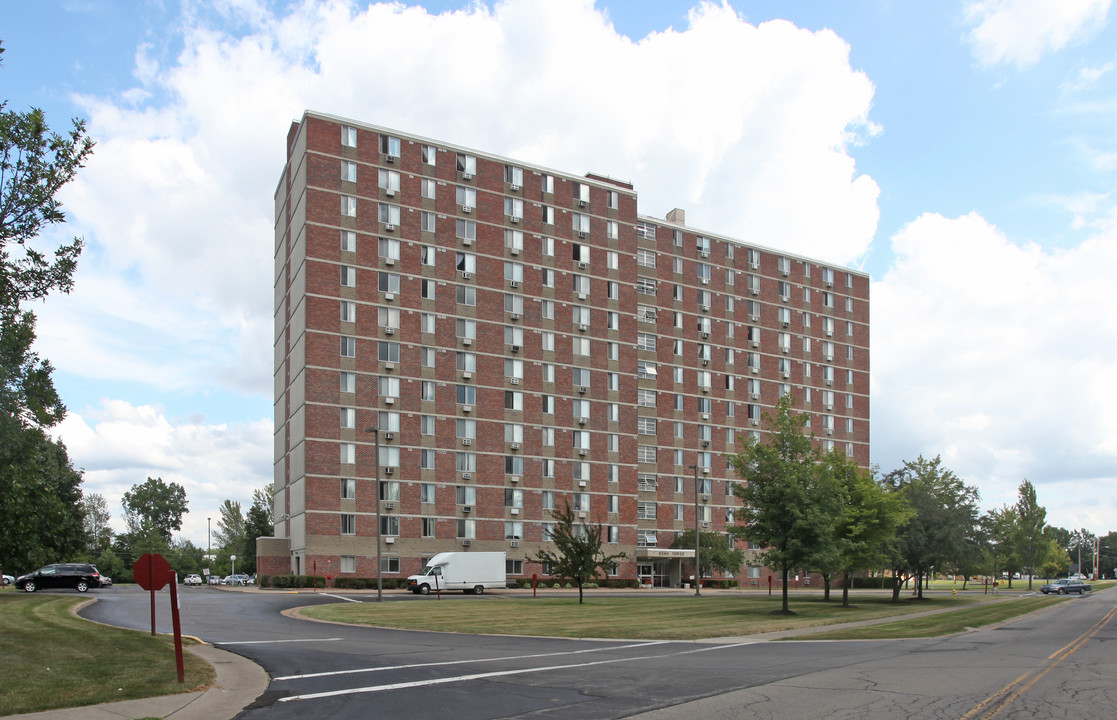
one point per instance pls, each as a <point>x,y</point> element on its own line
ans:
<point>1057,663</point>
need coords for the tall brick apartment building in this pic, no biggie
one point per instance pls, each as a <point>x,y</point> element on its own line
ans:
<point>522,338</point>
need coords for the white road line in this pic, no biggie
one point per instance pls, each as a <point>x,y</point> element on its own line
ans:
<point>499,673</point>
<point>269,642</point>
<point>340,597</point>
<point>466,662</point>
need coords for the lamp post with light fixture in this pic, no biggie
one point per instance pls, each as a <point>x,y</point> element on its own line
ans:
<point>379,579</point>
<point>697,541</point>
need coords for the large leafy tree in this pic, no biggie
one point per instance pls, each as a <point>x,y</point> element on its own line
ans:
<point>788,498</point>
<point>98,532</point>
<point>718,551</point>
<point>867,522</point>
<point>944,514</point>
<point>578,553</point>
<point>229,533</point>
<point>35,472</point>
<point>154,507</point>
<point>258,523</point>
<point>999,528</point>
<point>1031,521</point>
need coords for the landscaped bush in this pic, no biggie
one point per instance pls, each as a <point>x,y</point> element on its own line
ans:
<point>296,581</point>
<point>876,583</point>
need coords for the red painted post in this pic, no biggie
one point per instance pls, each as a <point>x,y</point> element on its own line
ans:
<point>769,586</point>
<point>177,628</point>
<point>534,583</point>
<point>151,574</point>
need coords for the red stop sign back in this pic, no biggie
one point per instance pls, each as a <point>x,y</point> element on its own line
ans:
<point>152,571</point>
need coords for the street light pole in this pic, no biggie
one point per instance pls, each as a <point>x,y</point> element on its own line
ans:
<point>697,540</point>
<point>379,579</point>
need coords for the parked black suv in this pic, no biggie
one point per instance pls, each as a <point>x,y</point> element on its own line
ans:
<point>79,576</point>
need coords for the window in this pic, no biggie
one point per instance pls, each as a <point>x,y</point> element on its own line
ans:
<point>348,206</point>
<point>645,286</point>
<point>612,229</point>
<point>426,460</point>
<point>348,382</point>
<point>466,198</point>
<point>514,240</point>
<point>514,209</point>
<point>645,453</point>
<point>465,230</point>
<point>513,400</point>
<point>388,351</point>
<point>348,418</point>
<point>645,231</point>
<point>428,527</point>
<point>427,255</point>
<point>466,395</point>
<point>348,311</point>
<point>465,495</point>
<point>349,171</point>
<point>514,176</point>
<point>645,426</point>
<point>548,184</point>
<point>389,145</point>
<point>348,489</point>
<point>430,154</point>
<point>548,215</point>
<point>348,346</point>
<point>580,223</point>
<point>513,272</point>
<point>427,221</point>
<point>348,276</point>
<point>426,424</point>
<point>348,241</point>
<point>348,524</point>
<point>580,346</point>
<point>466,295</point>
<point>645,258</point>
<point>465,462</point>
<point>348,136</point>
<point>513,567</point>
<point>467,529</point>
<point>581,193</point>
<point>427,188</point>
<point>466,428</point>
<point>389,215</point>
<point>388,181</point>
<point>389,525</point>
<point>612,199</point>
<point>467,165</point>
<point>466,328</point>
<point>348,563</point>
<point>645,341</point>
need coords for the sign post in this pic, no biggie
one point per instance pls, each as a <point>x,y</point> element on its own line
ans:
<point>152,572</point>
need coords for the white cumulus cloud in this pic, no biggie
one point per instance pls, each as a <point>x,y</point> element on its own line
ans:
<point>997,356</point>
<point>1021,32</point>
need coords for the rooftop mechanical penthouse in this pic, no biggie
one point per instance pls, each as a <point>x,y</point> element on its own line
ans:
<point>524,338</point>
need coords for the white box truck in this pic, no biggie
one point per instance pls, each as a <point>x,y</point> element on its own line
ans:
<point>470,572</point>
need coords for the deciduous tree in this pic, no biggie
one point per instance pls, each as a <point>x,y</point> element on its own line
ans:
<point>155,507</point>
<point>1031,521</point>
<point>578,553</point>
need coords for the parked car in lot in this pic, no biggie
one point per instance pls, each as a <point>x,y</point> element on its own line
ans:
<point>235,580</point>
<point>1065,586</point>
<point>193,579</point>
<point>106,581</point>
<point>79,576</point>
<point>214,580</point>
<point>8,580</point>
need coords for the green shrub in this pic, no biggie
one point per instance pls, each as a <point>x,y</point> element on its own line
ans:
<point>876,583</point>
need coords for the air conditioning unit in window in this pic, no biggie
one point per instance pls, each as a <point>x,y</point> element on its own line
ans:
<point>706,470</point>
<point>390,192</point>
<point>513,251</point>
<point>467,476</point>
<point>467,341</point>
<point>467,508</point>
<point>705,362</point>
<point>515,446</point>
<point>467,176</point>
<point>705,524</point>
<point>389,261</point>
<point>389,401</point>
<point>389,540</point>
<point>582,327</point>
<point>514,188</point>
<point>705,281</point>
<point>705,388</point>
<point>582,420</point>
<point>514,348</point>
<point>514,316</point>
<point>466,543</point>
<point>467,409</point>
<point>705,443</point>
<point>756,396</point>
<point>514,381</point>
<point>467,209</point>
<point>466,242</point>
<point>829,431</point>
<point>467,442</point>
<point>390,227</point>
<point>582,514</point>
<point>515,478</point>
<point>389,158</point>
<point>389,331</point>
<point>705,416</point>
<point>581,296</point>
<point>705,335</point>
<point>786,375</point>
<point>582,452</point>
<point>389,436</point>
<point>389,470</point>
<point>582,390</point>
<point>829,407</point>
<point>581,233</point>
<point>514,283</point>
<point>755,370</point>
<point>467,376</point>
<point>515,543</point>
<point>389,297</point>
<point>755,422</point>
<point>829,383</point>
<point>785,273</point>
<point>829,358</point>
<point>705,498</point>
<point>754,290</point>
<point>786,348</point>
<point>705,308</point>
<point>515,511</point>
<point>582,266</point>
<point>389,506</point>
<point>829,333</point>
<point>467,276</point>
<point>515,219</point>
<point>581,203</point>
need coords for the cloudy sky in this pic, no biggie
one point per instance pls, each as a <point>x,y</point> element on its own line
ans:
<point>964,153</point>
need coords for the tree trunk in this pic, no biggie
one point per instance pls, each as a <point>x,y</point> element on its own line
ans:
<point>919,585</point>
<point>897,585</point>
<point>845,589</point>
<point>786,571</point>
<point>579,581</point>
<point>826,587</point>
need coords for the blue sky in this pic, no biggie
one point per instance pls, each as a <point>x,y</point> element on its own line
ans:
<point>963,153</point>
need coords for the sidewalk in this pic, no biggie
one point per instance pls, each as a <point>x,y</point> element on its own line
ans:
<point>239,682</point>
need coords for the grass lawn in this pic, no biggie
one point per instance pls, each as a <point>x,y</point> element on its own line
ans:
<point>660,618</point>
<point>50,658</point>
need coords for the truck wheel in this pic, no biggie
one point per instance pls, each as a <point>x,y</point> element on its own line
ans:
<point>424,590</point>
<point>478,589</point>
